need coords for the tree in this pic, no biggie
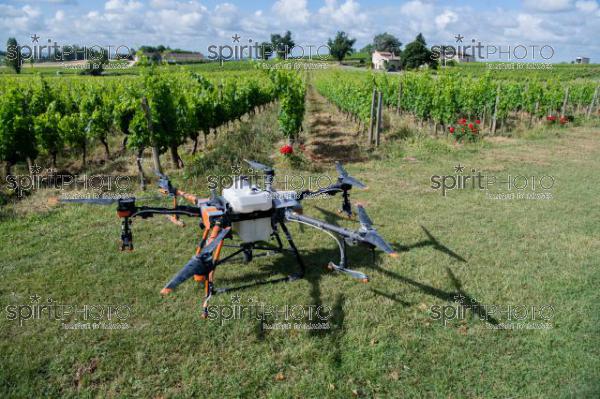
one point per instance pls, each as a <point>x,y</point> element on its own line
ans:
<point>95,65</point>
<point>416,54</point>
<point>369,48</point>
<point>386,42</point>
<point>265,51</point>
<point>340,46</point>
<point>13,55</point>
<point>282,45</point>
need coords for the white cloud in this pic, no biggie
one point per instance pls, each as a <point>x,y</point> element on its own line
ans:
<point>163,3</point>
<point>530,29</point>
<point>292,11</point>
<point>571,27</point>
<point>24,20</point>
<point>122,6</point>
<point>31,12</point>
<point>225,16</point>
<point>417,16</point>
<point>445,18</point>
<point>347,14</point>
<point>587,6</point>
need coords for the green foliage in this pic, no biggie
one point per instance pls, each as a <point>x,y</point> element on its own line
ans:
<point>265,51</point>
<point>417,54</point>
<point>351,93</point>
<point>448,96</point>
<point>340,46</point>
<point>17,137</point>
<point>13,55</point>
<point>282,45</point>
<point>47,132</point>
<point>73,130</point>
<point>386,42</point>
<point>291,91</point>
<point>95,66</point>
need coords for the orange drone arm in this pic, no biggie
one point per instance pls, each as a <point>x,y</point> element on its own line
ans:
<point>191,198</point>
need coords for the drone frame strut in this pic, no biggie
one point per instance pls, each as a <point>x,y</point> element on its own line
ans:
<point>247,249</point>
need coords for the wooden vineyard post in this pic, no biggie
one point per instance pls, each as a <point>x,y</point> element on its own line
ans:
<point>399,97</point>
<point>535,112</point>
<point>565,102</point>
<point>372,116</point>
<point>494,118</point>
<point>591,107</point>
<point>483,117</point>
<point>379,118</point>
<point>155,151</point>
<point>138,162</point>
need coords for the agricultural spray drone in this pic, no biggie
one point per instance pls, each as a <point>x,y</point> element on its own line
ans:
<point>255,215</point>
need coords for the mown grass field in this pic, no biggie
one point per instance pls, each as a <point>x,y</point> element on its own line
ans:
<point>383,340</point>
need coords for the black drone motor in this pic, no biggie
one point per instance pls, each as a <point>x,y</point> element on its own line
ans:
<point>125,209</point>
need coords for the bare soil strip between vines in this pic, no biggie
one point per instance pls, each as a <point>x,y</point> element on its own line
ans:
<point>330,136</point>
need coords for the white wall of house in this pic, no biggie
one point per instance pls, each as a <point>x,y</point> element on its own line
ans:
<point>383,60</point>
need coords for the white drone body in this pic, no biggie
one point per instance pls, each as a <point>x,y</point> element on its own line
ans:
<point>244,199</point>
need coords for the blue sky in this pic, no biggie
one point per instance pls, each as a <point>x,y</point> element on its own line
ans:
<point>570,27</point>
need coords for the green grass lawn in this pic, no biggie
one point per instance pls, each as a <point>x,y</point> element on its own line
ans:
<point>383,340</point>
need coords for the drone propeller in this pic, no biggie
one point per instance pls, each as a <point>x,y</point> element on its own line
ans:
<point>95,201</point>
<point>200,264</point>
<point>363,218</point>
<point>101,201</point>
<point>259,166</point>
<point>345,178</point>
<point>370,234</point>
<point>209,248</point>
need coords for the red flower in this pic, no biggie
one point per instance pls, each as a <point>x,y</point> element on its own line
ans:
<point>451,128</point>
<point>478,121</point>
<point>286,149</point>
<point>551,118</point>
<point>462,121</point>
<point>471,126</point>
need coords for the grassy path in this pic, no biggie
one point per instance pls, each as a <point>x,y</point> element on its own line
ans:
<point>330,136</point>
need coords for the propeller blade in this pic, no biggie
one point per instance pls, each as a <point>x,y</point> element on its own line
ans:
<point>208,249</point>
<point>353,182</point>
<point>363,218</point>
<point>373,238</point>
<point>194,266</point>
<point>346,178</point>
<point>104,201</point>
<point>95,201</point>
<point>258,166</point>
<point>340,169</point>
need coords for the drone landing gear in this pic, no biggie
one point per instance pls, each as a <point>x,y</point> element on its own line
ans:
<point>294,250</point>
<point>342,266</point>
<point>337,234</point>
<point>247,250</point>
<point>126,236</point>
<point>346,207</point>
